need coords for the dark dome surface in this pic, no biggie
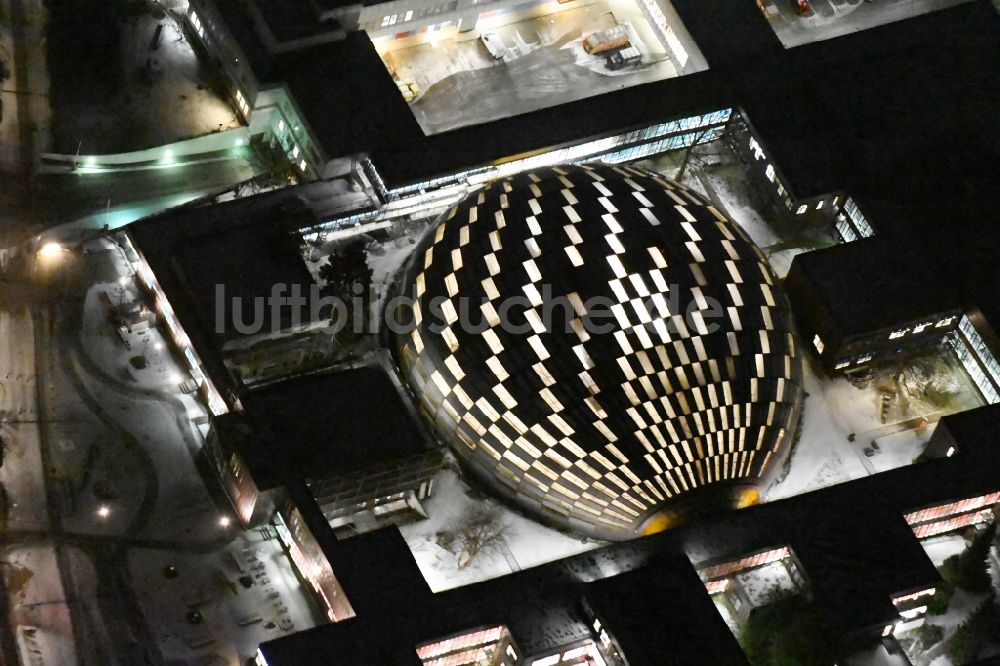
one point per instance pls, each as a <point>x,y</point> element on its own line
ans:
<point>667,366</point>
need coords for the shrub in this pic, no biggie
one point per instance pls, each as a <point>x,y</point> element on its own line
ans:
<point>929,635</point>
<point>967,570</point>
<point>789,631</point>
<point>938,605</point>
<point>973,634</point>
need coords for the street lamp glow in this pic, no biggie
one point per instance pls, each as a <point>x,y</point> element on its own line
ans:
<point>158,346</point>
<point>224,521</point>
<point>50,252</point>
<point>103,511</point>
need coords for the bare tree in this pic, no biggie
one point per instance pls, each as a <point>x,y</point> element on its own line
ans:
<point>482,530</point>
<point>702,137</point>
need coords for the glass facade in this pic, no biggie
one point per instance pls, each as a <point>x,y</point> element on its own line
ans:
<point>857,218</point>
<point>977,359</point>
<point>447,190</point>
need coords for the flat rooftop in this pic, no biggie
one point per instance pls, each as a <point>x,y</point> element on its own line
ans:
<point>244,247</point>
<point>876,282</point>
<point>323,425</point>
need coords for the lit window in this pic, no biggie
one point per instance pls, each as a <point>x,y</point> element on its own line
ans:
<point>242,102</point>
<point>898,334</point>
<point>302,165</point>
<point>817,343</point>
<point>196,22</point>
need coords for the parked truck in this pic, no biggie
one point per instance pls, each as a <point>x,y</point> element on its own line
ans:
<point>606,40</point>
<point>622,58</point>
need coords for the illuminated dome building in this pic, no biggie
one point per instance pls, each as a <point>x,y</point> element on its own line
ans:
<point>664,380</point>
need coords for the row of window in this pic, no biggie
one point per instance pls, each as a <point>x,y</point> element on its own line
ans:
<point>858,219</point>
<point>987,371</point>
<point>769,171</point>
<point>413,15</point>
<point>920,328</point>
<point>861,359</point>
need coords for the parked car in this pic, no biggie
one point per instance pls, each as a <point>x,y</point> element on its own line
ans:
<point>622,58</point>
<point>494,45</point>
<point>802,7</point>
<point>767,8</point>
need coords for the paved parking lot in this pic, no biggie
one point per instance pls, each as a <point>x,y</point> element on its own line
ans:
<point>833,18</point>
<point>460,83</point>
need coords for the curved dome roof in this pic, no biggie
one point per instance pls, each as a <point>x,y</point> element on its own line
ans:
<point>597,342</point>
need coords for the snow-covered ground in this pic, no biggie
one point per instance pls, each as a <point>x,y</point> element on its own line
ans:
<point>961,606</point>
<point>385,260</point>
<point>940,548</point>
<point>235,618</point>
<point>527,543</point>
<point>39,600</point>
<point>762,582</point>
<point>715,172</point>
<point>823,455</point>
<point>731,193</point>
<point>899,449</point>
<point>149,451</point>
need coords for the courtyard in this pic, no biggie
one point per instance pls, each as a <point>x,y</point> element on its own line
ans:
<point>843,434</point>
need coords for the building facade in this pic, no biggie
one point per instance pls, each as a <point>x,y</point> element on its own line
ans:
<point>691,383</point>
